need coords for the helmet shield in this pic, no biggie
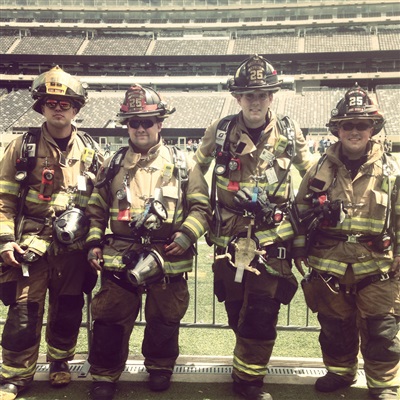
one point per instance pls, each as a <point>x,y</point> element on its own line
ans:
<point>255,73</point>
<point>56,82</point>
<point>147,268</point>
<point>356,104</point>
<point>71,226</point>
<point>143,101</point>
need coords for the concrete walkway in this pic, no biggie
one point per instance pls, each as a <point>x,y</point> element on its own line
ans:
<point>202,369</point>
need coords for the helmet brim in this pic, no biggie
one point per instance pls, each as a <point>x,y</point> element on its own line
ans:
<point>333,124</point>
<point>250,89</point>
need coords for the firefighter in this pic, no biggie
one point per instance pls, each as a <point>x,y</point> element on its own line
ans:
<point>46,178</point>
<point>250,197</point>
<point>349,210</point>
<point>157,207</point>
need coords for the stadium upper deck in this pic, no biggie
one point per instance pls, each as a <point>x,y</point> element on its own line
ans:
<point>187,45</point>
<point>191,14</point>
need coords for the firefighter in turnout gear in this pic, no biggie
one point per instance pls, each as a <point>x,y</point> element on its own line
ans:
<point>349,237</point>
<point>251,229</point>
<point>157,206</point>
<point>46,178</point>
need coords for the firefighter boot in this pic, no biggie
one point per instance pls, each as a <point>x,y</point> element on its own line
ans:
<point>9,391</point>
<point>159,381</point>
<point>331,382</point>
<point>250,392</point>
<point>390,393</point>
<point>59,373</point>
<point>103,390</point>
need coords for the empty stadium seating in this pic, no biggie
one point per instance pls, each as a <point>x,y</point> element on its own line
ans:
<point>311,108</point>
<point>48,45</point>
<point>117,45</point>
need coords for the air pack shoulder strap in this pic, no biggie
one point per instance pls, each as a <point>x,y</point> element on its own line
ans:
<point>113,167</point>
<point>27,160</point>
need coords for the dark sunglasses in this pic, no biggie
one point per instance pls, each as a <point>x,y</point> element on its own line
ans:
<point>52,104</point>
<point>360,126</point>
<point>146,123</point>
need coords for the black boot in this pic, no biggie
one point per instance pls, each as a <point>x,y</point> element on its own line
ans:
<point>159,381</point>
<point>331,382</point>
<point>250,392</point>
<point>102,390</point>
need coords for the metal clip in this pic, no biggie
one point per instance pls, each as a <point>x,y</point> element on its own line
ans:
<point>353,238</point>
<point>281,253</point>
<point>384,277</point>
<point>145,240</point>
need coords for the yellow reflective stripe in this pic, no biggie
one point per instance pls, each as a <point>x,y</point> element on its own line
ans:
<point>8,372</point>
<point>199,197</point>
<point>362,225</point>
<point>299,241</point>
<point>194,225</point>
<point>325,265</point>
<point>342,371</point>
<point>373,383</point>
<point>58,354</point>
<point>202,159</point>
<point>249,369</point>
<point>94,234</point>
<point>177,267</point>
<point>113,262</point>
<point>7,187</point>
<point>57,199</point>
<point>361,268</point>
<point>97,200</point>
<point>283,232</point>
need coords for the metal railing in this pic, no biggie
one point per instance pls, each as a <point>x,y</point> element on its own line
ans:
<point>206,312</point>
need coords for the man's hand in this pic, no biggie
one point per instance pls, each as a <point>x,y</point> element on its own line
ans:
<point>95,258</point>
<point>299,262</point>
<point>174,249</point>
<point>244,199</point>
<point>8,255</point>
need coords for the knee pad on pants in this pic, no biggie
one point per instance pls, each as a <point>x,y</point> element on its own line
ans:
<point>21,329</point>
<point>259,318</point>
<point>383,343</point>
<point>106,350</point>
<point>338,337</point>
<point>69,315</point>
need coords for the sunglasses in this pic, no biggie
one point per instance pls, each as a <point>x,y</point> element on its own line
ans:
<point>146,123</point>
<point>52,104</point>
<point>360,126</point>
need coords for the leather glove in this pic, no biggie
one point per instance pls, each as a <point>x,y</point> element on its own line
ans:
<point>265,210</point>
<point>244,200</point>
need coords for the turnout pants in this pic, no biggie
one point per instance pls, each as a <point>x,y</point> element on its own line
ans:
<point>64,277</point>
<point>114,312</point>
<point>370,317</point>
<point>252,308</point>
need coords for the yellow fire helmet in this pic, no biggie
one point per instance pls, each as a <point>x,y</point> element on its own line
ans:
<point>57,82</point>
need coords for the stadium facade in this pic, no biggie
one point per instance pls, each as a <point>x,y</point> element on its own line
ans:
<point>188,49</point>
